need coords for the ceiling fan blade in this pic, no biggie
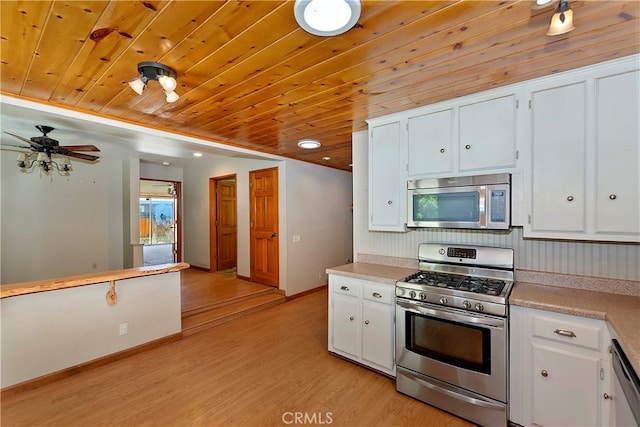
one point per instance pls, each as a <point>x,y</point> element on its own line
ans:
<point>87,157</point>
<point>28,141</point>
<point>80,147</point>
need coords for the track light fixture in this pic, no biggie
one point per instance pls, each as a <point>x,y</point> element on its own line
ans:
<point>562,20</point>
<point>165,75</point>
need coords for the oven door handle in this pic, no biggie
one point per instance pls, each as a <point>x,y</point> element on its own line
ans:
<point>456,394</point>
<point>468,319</point>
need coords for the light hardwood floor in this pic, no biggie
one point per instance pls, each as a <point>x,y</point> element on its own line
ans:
<point>257,370</point>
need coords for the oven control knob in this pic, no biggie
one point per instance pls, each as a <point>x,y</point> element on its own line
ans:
<point>412,294</point>
<point>423,296</point>
<point>479,307</point>
<point>443,300</point>
<point>466,305</point>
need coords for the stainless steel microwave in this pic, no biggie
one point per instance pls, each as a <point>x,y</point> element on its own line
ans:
<point>476,202</point>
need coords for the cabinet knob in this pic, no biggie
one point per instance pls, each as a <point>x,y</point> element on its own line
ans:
<point>442,150</point>
<point>612,196</point>
<point>344,288</point>
<point>468,147</point>
<point>544,373</point>
<point>366,322</point>
<point>570,198</point>
<point>390,202</point>
<point>607,396</point>
<point>352,318</point>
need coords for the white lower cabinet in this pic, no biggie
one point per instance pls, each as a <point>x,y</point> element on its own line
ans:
<point>361,322</point>
<point>560,373</point>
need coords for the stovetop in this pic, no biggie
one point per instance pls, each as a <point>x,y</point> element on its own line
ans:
<point>479,285</point>
<point>470,278</point>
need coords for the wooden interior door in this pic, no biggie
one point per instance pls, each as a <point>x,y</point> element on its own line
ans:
<point>227,236</point>
<point>264,226</point>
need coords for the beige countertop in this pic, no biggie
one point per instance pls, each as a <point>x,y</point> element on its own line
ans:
<point>621,311</point>
<point>15,289</point>
<point>377,272</point>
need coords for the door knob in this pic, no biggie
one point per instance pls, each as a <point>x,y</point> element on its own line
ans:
<point>274,234</point>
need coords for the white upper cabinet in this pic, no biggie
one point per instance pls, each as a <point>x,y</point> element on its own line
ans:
<point>583,182</point>
<point>431,143</point>
<point>472,135</point>
<point>617,154</point>
<point>387,178</point>
<point>488,135</point>
<point>558,159</point>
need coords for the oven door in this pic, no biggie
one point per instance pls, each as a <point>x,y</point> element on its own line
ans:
<point>467,350</point>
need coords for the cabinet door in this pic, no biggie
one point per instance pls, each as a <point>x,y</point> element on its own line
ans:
<point>378,334</point>
<point>387,179</point>
<point>566,387</point>
<point>488,134</point>
<point>558,159</point>
<point>431,143</point>
<point>618,154</point>
<point>346,323</point>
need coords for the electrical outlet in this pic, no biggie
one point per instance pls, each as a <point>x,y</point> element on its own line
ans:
<point>124,328</point>
<point>296,238</point>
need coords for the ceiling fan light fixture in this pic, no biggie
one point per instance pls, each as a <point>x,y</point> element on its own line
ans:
<point>562,20</point>
<point>327,17</point>
<point>309,144</point>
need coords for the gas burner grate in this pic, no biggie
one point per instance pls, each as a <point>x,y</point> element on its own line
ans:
<point>473,284</point>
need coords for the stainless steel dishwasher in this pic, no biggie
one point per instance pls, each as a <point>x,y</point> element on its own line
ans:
<point>626,389</point>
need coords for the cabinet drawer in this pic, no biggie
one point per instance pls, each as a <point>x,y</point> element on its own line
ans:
<point>379,293</point>
<point>346,287</point>
<point>569,332</point>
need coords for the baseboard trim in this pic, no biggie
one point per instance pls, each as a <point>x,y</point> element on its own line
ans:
<point>83,367</point>
<point>310,291</point>
<point>248,279</point>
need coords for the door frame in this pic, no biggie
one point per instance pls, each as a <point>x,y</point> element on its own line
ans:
<point>177,185</point>
<point>213,214</point>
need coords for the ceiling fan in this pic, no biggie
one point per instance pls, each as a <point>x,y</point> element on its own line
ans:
<point>49,146</point>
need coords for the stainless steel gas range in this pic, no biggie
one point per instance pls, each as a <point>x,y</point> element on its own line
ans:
<point>452,331</point>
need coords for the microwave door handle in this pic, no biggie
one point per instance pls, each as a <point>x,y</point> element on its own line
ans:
<point>457,395</point>
<point>469,320</point>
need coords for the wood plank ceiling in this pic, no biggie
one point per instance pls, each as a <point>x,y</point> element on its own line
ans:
<point>248,76</point>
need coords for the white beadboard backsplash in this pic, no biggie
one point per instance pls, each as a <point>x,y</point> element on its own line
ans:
<point>597,259</point>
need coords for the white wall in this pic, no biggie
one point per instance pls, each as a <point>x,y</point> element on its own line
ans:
<point>60,226</point>
<point>318,201</point>
<point>313,203</point>
<point>50,331</point>
<point>610,260</point>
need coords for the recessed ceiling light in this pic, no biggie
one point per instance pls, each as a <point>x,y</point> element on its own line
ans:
<point>197,154</point>
<point>166,163</point>
<point>309,144</point>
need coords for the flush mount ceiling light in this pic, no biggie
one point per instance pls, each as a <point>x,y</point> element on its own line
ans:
<point>541,4</point>
<point>165,75</point>
<point>562,20</point>
<point>309,144</point>
<point>327,17</point>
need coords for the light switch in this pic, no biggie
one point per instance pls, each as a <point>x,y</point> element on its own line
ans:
<point>296,238</point>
